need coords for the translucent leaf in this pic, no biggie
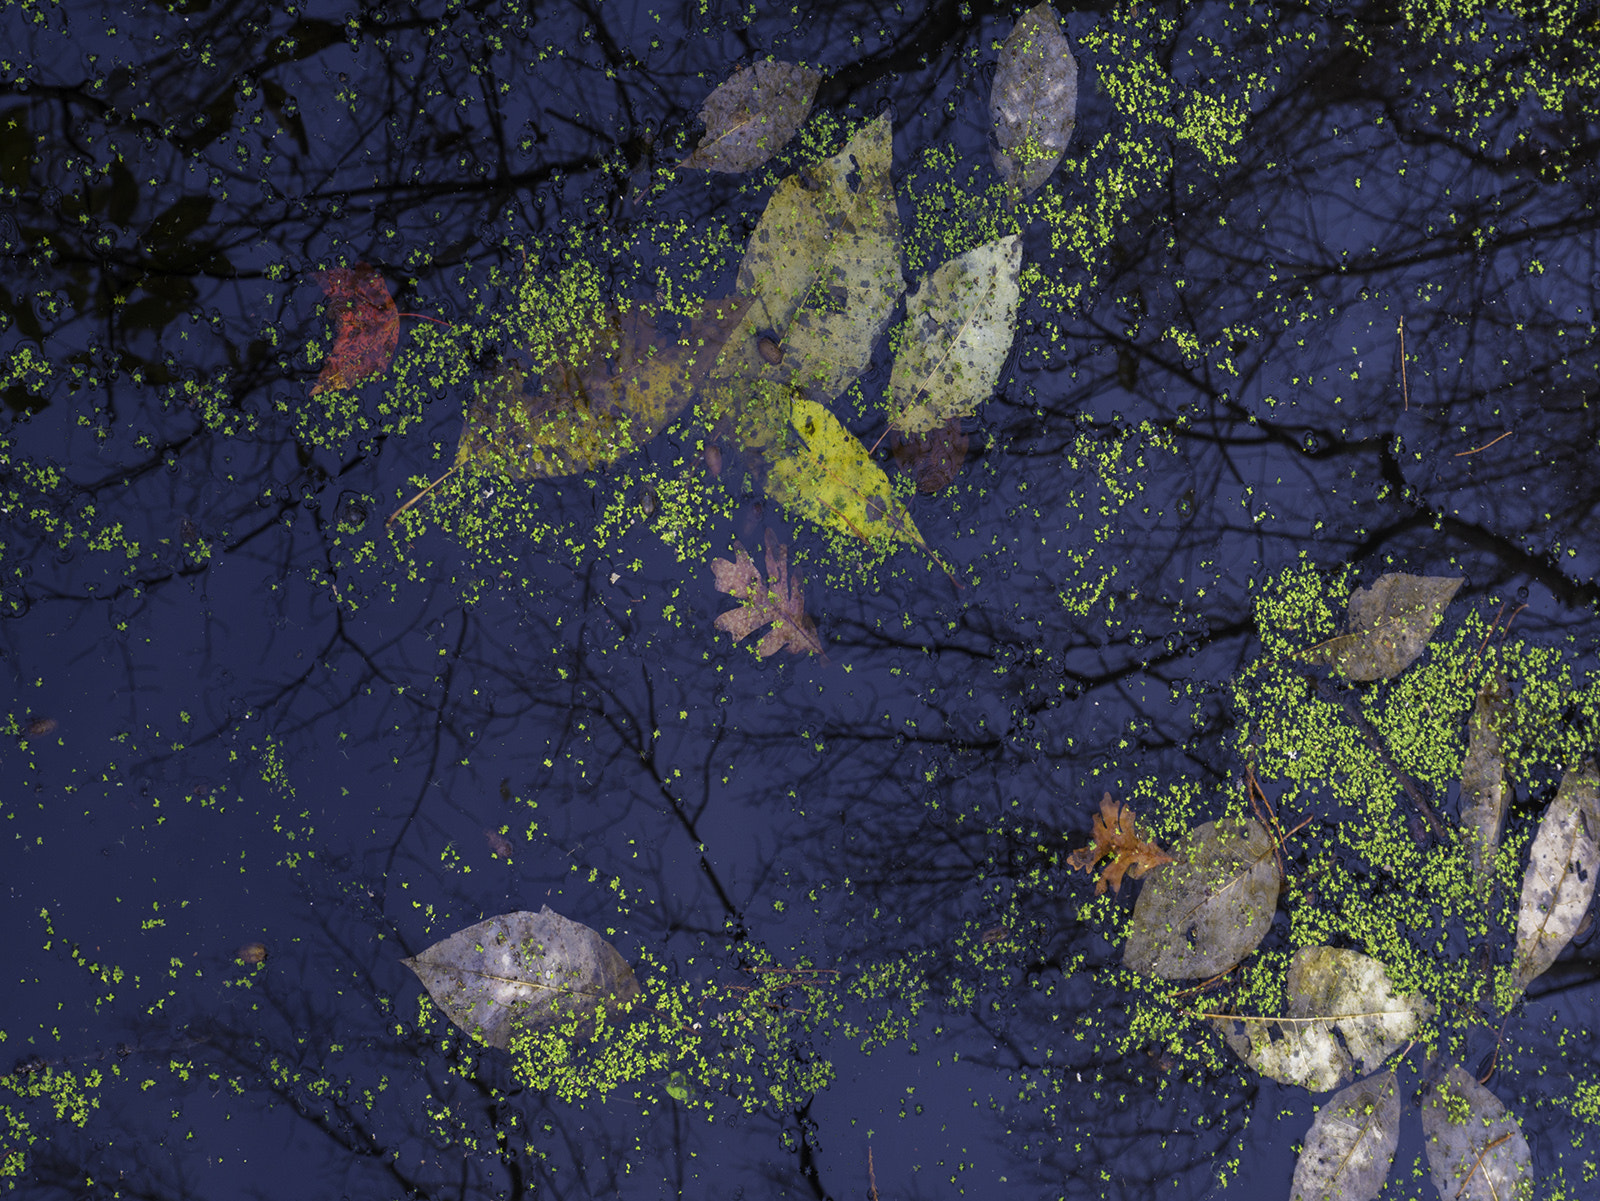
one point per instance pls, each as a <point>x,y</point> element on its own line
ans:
<point>750,115</point>
<point>1483,787</point>
<point>933,459</point>
<point>824,473</point>
<point>1561,873</point>
<point>1351,1144</point>
<point>1199,916</point>
<point>823,269</point>
<point>1476,1151</point>
<point>1389,624</point>
<point>522,969</point>
<point>1342,1010</point>
<point>621,387</point>
<point>959,326</point>
<point>1034,101</point>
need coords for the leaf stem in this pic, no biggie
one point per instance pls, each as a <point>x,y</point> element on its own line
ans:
<point>393,517</point>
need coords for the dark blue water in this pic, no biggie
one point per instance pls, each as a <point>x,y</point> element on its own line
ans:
<point>244,711</point>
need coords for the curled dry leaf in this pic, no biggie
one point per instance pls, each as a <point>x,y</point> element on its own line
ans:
<point>823,269</point>
<point>822,471</point>
<point>1476,1150</point>
<point>933,459</point>
<point>1116,835</point>
<point>1034,101</point>
<point>780,601</point>
<point>1209,909</point>
<point>523,970</point>
<point>366,326</point>
<point>751,114</point>
<point>1560,881</point>
<point>1389,624</point>
<point>1342,1011</point>
<point>1483,786</point>
<point>624,385</point>
<point>1350,1144</point>
<point>959,327</point>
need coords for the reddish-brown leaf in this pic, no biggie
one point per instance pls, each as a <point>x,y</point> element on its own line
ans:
<point>780,600</point>
<point>366,326</point>
<point>934,458</point>
<point>1116,835</point>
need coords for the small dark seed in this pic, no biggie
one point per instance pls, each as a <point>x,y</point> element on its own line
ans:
<point>770,350</point>
<point>253,952</point>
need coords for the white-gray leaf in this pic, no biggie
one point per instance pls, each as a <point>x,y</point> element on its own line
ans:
<point>523,970</point>
<point>1351,1144</point>
<point>1483,787</point>
<point>1476,1151</point>
<point>751,114</point>
<point>1202,914</point>
<point>1389,624</point>
<point>1561,873</point>
<point>1034,101</point>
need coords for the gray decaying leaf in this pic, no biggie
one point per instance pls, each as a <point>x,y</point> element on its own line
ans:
<point>1204,913</point>
<point>1342,1010</point>
<point>959,326</point>
<point>1351,1144</point>
<point>823,268</point>
<point>1561,873</point>
<point>1476,1151</point>
<point>522,970</point>
<point>1483,786</point>
<point>1034,101</point>
<point>750,115</point>
<point>1389,624</point>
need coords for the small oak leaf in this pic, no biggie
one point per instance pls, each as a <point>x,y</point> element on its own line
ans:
<point>1115,835</point>
<point>366,329</point>
<point>780,601</point>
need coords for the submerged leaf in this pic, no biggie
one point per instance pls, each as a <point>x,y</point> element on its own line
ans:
<point>1342,1010</point>
<point>1034,101</point>
<point>1476,1150</point>
<point>1561,873</point>
<point>751,114</point>
<point>780,601</point>
<point>1116,835</point>
<point>823,269</point>
<point>522,970</point>
<point>1205,912</point>
<point>959,326</point>
<point>1350,1144</point>
<point>1483,787</point>
<point>1389,623</point>
<point>367,326</point>
<point>933,459</point>
<point>822,471</point>
<point>624,386</point>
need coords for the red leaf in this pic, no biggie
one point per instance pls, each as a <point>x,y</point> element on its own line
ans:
<point>367,329</point>
<point>1117,836</point>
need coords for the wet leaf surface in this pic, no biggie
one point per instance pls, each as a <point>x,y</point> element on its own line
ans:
<point>778,600</point>
<point>752,114</point>
<point>1342,1012</point>
<point>933,459</point>
<point>1476,1150</point>
<point>522,970</point>
<point>1483,786</point>
<point>823,267</point>
<point>1033,104</point>
<point>959,327</point>
<point>1116,835</point>
<point>1389,624</point>
<point>1559,884</point>
<point>1351,1143</point>
<point>1205,912</point>
<point>366,329</point>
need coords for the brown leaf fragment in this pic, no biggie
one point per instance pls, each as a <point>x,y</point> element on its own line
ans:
<point>751,114</point>
<point>780,601</point>
<point>366,326</point>
<point>1116,835</point>
<point>933,459</point>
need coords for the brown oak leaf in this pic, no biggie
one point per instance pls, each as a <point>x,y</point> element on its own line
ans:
<point>1115,835</point>
<point>780,600</point>
<point>366,330</point>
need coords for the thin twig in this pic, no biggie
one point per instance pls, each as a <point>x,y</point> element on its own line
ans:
<point>872,1177</point>
<point>1405,388</point>
<point>1461,454</point>
<point>1477,1163</point>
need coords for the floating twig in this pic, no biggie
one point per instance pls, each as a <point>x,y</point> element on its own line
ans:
<point>1461,454</point>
